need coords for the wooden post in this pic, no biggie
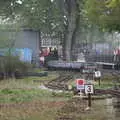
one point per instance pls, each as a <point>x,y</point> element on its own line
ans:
<point>99,81</point>
<point>89,100</point>
<point>81,94</point>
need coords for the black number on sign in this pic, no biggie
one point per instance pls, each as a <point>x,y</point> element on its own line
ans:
<point>88,88</point>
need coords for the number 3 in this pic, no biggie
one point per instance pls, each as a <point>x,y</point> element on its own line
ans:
<point>89,89</point>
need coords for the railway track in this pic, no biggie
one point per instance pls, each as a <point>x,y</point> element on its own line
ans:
<point>60,83</point>
<point>108,91</point>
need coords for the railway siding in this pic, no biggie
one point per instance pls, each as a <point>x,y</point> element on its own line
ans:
<point>61,83</point>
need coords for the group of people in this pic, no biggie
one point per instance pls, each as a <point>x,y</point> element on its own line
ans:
<point>47,52</point>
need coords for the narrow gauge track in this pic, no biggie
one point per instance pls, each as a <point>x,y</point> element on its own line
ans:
<point>60,83</point>
<point>115,93</point>
<point>110,71</point>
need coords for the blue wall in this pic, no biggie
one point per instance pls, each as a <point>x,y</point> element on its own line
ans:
<point>24,54</point>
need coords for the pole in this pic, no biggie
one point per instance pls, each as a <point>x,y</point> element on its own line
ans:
<point>80,93</point>
<point>99,81</point>
<point>89,100</point>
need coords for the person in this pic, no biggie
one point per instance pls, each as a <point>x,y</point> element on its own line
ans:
<point>42,59</point>
<point>97,76</point>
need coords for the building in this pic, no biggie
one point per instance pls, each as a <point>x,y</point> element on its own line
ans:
<point>29,39</point>
<point>22,40</point>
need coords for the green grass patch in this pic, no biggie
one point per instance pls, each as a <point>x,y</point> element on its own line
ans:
<point>27,82</point>
<point>36,70</point>
<point>20,95</point>
<point>27,89</point>
<point>103,86</point>
<point>63,94</point>
<point>107,82</point>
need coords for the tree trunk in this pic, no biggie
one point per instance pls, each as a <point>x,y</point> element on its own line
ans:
<point>71,29</point>
<point>40,48</point>
<point>69,9</point>
<point>68,40</point>
<point>75,33</point>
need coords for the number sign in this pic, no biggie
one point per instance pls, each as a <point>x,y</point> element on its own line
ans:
<point>89,89</point>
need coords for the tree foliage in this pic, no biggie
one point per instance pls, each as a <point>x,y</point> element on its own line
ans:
<point>48,16</point>
<point>9,9</point>
<point>104,13</point>
<point>41,15</point>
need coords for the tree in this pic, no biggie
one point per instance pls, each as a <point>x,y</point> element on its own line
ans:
<point>48,16</point>
<point>71,10</point>
<point>104,13</point>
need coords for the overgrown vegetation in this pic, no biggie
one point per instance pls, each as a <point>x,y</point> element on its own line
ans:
<point>28,89</point>
<point>19,95</point>
<point>107,82</point>
<point>35,104</point>
<point>11,66</point>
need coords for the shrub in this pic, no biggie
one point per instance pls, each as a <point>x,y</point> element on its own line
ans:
<point>10,65</point>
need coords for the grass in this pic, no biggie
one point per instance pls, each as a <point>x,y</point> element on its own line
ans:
<point>22,100</point>
<point>27,82</point>
<point>47,113</point>
<point>34,110</point>
<point>20,95</point>
<point>106,83</point>
<point>16,95</point>
<point>76,110</point>
<point>98,111</point>
<point>27,89</point>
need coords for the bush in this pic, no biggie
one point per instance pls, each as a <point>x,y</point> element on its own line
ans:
<point>11,65</point>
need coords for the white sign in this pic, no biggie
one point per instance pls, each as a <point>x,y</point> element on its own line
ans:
<point>80,84</point>
<point>89,88</point>
<point>97,74</point>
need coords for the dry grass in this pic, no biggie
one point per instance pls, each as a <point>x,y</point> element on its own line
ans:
<point>27,82</point>
<point>73,109</point>
<point>22,100</point>
<point>34,110</point>
<point>76,110</point>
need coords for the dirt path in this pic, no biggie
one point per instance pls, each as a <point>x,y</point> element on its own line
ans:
<point>75,109</point>
<point>72,109</point>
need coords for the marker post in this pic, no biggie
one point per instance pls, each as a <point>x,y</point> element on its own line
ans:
<point>80,93</point>
<point>99,82</point>
<point>89,90</point>
<point>89,100</point>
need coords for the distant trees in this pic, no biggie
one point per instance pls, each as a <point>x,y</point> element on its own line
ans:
<point>104,13</point>
<point>66,19</point>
